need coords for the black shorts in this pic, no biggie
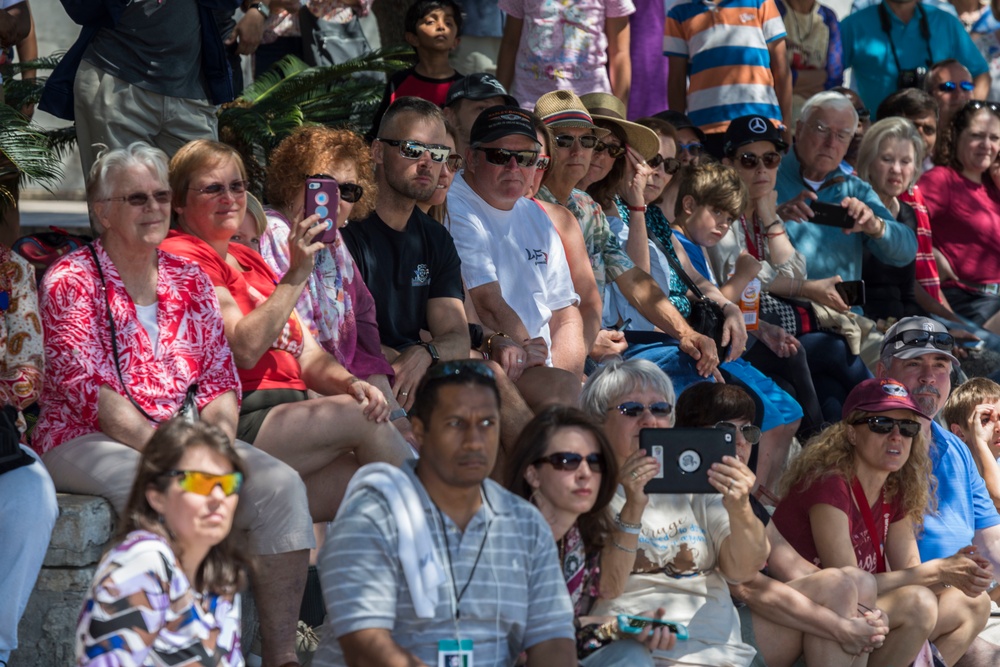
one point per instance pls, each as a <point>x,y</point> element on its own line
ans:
<point>257,404</point>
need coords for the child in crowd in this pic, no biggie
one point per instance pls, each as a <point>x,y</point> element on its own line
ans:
<point>577,45</point>
<point>727,82</point>
<point>432,28</point>
<point>973,414</point>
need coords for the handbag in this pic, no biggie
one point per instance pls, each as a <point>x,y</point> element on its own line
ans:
<point>326,43</point>
<point>189,406</point>
<point>706,315</point>
<point>44,248</point>
<point>795,317</point>
<point>11,454</point>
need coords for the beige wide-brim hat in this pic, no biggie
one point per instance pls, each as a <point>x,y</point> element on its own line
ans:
<point>603,106</point>
<point>562,108</point>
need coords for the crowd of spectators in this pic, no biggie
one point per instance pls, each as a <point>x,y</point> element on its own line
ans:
<point>425,359</point>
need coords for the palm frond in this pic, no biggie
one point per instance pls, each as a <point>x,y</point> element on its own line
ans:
<point>28,148</point>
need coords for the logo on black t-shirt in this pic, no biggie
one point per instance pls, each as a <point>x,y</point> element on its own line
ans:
<point>421,276</point>
<point>538,256</point>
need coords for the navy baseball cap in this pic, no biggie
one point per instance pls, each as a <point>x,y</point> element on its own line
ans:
<point>478,86</point>
<point>499,122</point>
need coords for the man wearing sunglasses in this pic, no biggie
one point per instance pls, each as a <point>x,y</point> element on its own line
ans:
<point>479,565</point>
<point>917,351</point>
<point>952,85</point>
<point>407,260</point>
<point>513,261</point>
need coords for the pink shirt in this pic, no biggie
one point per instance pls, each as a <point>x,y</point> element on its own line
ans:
<point>563,46</point>
<point>78,357</point>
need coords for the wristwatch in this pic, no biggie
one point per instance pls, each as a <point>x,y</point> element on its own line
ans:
<point>431,350</point>
<point>262,8</point>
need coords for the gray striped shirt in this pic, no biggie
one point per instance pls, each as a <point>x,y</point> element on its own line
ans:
<point>516,596</point>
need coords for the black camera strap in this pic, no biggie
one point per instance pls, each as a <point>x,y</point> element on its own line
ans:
<point>925,33</point>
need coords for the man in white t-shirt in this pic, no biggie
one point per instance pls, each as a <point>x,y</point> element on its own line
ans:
<point>513,261</point>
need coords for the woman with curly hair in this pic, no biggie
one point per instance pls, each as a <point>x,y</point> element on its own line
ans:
<point>856,496</point>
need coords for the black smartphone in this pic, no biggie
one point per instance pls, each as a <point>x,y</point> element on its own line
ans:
<point>831,215</point>
<point>852,292</point>
<point>684,455</point>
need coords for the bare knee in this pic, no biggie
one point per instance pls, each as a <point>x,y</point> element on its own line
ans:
<point>916,607</point>
<point>864,584</point>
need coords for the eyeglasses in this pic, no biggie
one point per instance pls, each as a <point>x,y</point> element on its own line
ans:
<point>750,432</point>
<point>883,425</point>
<point>670,164</point>
<point>455,162</point>
<point>614,152</point>
<point>501,157</point>
<point>571,461</point>
<point>218,189</point>
<point>458,368</point>
<point>952,86</point>
<point>770,159</point>
<point>567,140</point>
<point>635,409</point>
<point>693,149</point>
<point>204,483</point>
<point>843,136</point>
<point>941,340</point>
<point>543,162</point>
<point>140,199</point>
<point>414,150</point>
<point>349,192</point>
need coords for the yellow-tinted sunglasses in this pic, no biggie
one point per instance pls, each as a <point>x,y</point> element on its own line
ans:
<point>202,483</point>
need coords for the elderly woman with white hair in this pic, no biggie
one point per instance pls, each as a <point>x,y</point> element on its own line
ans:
<point>132,335</point>
<point>683,547</point>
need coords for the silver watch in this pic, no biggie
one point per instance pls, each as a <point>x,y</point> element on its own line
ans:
<point>262,8</point>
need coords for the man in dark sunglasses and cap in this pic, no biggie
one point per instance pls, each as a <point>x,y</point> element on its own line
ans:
<point>918,352</point>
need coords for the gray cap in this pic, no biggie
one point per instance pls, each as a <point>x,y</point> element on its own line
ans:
<point>914,337</point>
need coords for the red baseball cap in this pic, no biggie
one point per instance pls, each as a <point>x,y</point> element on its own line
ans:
<point>880,395</point>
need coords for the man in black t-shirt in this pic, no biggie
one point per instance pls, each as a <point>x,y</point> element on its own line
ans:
<point>407,259</point>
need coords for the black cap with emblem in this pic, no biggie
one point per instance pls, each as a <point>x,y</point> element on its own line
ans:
<point>499,122</point>
<point>748,129</point>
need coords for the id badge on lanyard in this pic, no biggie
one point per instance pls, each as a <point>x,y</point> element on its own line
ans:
<point>455,653</point>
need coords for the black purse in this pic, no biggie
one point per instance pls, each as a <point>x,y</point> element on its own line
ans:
<point>11,454</point>
<point>189,407</point>
<point>706,316</point>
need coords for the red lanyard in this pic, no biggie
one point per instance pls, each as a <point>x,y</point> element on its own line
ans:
<point>755,245</point>
<point>877,538</point>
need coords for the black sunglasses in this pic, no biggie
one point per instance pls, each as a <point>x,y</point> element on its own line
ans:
<point>414,150</point>
<point>670,164</point>
<point>771,160</point>
<point>941,340</point>
<point>349,192</point>
<point>571,461</point>
<point>567,140</point>
<point>976,105</point>
<point>863,114</point>
<point>635,409</point>
<point>883,425</point>
<point>750,432</point>
<point>501,157</point>
<point>139,199</point>
<point>460,367</point>
<point>543,162</point>
<point>614,152</point>
<point>952,86</point>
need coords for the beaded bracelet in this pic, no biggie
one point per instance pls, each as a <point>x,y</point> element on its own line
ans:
<point>627,550</point>
<point>625,527</point>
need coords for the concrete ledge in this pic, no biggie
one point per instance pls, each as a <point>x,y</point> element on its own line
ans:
<point>79,539</point>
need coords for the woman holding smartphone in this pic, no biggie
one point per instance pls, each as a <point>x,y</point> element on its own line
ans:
<point>565,466</point>
<point>683,547</point>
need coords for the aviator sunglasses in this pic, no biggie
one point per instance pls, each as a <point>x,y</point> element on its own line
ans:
<point>501,157</point>
<point>750,432</point>
<point>414,150</point>
<point>770,159</point>
<point>939,339</point>
<point>635,408</point>
<point>883,425</point>
<point>139,199</point>
<point>203,483</point>
<point>571,461</point>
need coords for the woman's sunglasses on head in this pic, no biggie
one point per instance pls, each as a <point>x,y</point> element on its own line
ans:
<point>571,461</point>
<point>204,483</point>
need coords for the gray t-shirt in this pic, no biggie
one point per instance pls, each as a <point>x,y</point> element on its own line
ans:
<point>156,46</point>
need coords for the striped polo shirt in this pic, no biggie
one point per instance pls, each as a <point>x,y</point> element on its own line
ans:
<point>729,65</point>
<point>515,598</point>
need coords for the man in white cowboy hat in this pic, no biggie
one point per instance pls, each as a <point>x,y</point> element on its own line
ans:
<point>576,139</point>
<point>513,261</point>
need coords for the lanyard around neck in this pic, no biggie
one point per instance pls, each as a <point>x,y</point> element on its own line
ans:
<point>925,33</point>
<point>877,538</point>
<point>451,569</point>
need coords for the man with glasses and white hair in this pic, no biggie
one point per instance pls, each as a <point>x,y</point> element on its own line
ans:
<point>513,260</point>
<point>407,260</point>
<point>918,352</point>
<point>811,172</point>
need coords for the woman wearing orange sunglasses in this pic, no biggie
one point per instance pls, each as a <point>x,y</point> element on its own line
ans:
<point>170,585</point>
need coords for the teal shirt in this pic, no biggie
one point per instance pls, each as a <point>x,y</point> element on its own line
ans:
<point>828,250</point>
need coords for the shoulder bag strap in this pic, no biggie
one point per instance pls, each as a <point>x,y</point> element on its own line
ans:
<point>675,265</point>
